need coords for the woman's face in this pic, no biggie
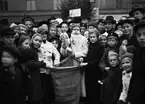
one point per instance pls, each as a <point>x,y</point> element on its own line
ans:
<point>93,38</point>
<point>126,64</point>
<point>37,42</point>
<point>127,29</point>
<point>26,44</point>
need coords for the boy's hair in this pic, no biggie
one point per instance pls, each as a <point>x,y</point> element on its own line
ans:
<point>13,50</point>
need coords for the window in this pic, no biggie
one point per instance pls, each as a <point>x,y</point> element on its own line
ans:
<point>31,5</point>
<point>57,4</point>
<point>3,5</point>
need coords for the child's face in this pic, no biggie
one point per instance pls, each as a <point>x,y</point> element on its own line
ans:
<point>9,39</point>
<point>37,42</point>
<point>64,27</point>
<point>140,34</point>
<point>111,42</point>
<point>91,28</point>
<point>126,64</point>
<point>76,31</point>
<point>103,40</point>
<point>83,29</point>
<point>26,44</point>
<point>7,59</point>
<point>52,31</point>
<point>101,26</point>
<point>28,24</point>
<point>113,61</point>
<point>44,36</point>
<point>55,43</point>
<point>93,38</point>
<point>109,26</point>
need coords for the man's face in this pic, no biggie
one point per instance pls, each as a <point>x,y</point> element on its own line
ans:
<point>138,15</point>
<point>140,34</point>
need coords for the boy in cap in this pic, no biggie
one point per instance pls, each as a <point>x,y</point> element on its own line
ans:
<point>126,66</point>
<point>136,91</point>
<point>109,24</point>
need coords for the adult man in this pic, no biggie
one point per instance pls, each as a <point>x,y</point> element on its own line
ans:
<point>137,85</point>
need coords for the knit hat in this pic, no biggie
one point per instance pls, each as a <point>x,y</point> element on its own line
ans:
<point>128,55</point>
<point>112,53</point>
<point>42,30</point>
<point>13,50</point>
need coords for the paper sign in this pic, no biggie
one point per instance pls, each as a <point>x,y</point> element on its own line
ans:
<point>75,12</point>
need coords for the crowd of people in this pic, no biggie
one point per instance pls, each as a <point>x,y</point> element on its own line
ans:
<point>113,53</point>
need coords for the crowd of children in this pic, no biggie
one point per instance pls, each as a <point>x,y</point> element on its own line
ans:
<point>114,53</point>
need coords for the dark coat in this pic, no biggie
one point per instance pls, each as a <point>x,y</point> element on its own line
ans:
<point>93,73</point>
<point>111,85</point>
<point>29,58</point>
<point>11,86</point>
<point>137,85</point>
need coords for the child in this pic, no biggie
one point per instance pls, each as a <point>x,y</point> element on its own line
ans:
<point>112,81</point>
<point>11,80</point>
<point>103,40</point>
<point>126,65</point>
<point>112,44</point>
<point>24,42</point>
<point>92,71</point>
<point>52,32</point>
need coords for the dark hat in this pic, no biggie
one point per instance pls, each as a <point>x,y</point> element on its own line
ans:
<point>93,23</point>
<point>4,22</point>
<point>13,50</point>
<point>27,18</point>
<point>129,21</point>
<point>83,25</point>
<point>5,31</point>
<point>131,49</point>
<point>54,38</point>
<point>129,55</point>
<point>101,21</point>
<point>110,19</point>
<point>113,35</point>
<point>136,8</point>
<point>139,25</point>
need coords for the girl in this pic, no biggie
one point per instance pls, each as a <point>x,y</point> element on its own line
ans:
<point>112,81</point>
<point>92,72</point>
<point>52,32</point>
<point>24,42</point>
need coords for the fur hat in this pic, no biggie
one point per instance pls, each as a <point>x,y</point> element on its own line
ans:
<point>13,50</point>
<point>112,53</point>
<point>128,55</point>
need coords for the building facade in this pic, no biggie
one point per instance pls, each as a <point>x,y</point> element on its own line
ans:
<point>14,10</point>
